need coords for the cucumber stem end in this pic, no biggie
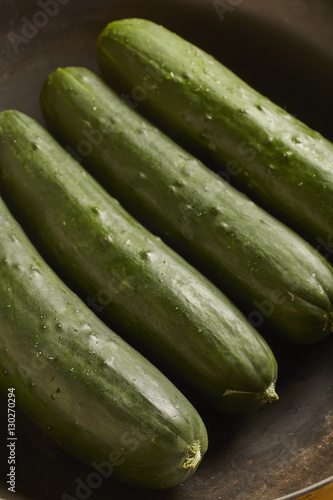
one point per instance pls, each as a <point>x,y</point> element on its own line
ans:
<point>270,394</point>
<point>193,457</point>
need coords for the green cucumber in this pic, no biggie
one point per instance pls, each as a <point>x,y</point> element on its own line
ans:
<point>143,287</point>
<point>281,161</point>
<point>278,279</point>
<point>96,396</point>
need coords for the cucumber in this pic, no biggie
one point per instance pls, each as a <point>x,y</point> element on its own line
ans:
<point>278,159</point>
<point>143,288</point>
<point>278,279</point>
<point>96,396</point>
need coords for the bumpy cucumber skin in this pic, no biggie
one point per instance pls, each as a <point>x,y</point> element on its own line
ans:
<point>277,277</point>
<point>96,396</point>
<point>284,163</point>
<point>143,286</point>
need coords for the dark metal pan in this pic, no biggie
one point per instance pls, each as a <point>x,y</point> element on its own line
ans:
<point>285,50</point>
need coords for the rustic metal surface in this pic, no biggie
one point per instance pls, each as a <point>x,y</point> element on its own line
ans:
<point>286,51</point>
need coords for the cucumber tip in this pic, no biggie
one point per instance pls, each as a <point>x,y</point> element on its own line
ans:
<point>194,456</point>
